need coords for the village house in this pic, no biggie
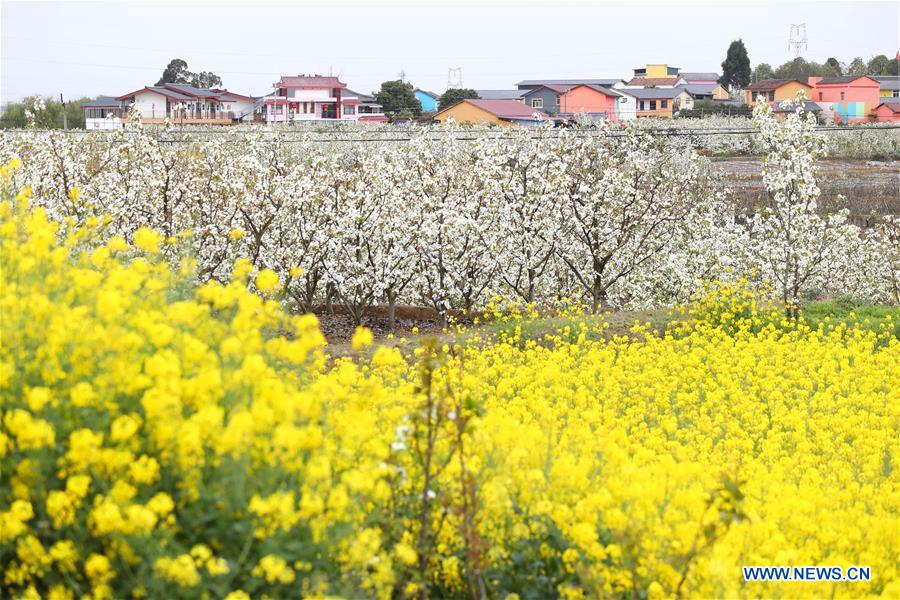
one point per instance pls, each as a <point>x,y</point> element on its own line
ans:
<point>786,107</point>
<point>847,99</point>
<point>656,102</point>
<point>311,98</point>
<point>369,110</point>
<point>594,100</point>
<point>545,97</point>
<point>775,90</point>
<point>104,113</point>
<point>888,111</point>
<point>494,112</point>
<point>658,75</point>
<point>428,100</point>
<point>188,105</point>
<point>707,91</point>
<point>889,85</point>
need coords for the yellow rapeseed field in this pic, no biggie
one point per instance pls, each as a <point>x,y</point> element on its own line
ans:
<point>165,439</point>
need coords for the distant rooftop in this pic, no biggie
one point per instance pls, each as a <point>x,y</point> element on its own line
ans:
<point>689,77</point>
<point>770,85</point>
<point>534,82</point>
<point>310,81</point>
<point>499,94</point>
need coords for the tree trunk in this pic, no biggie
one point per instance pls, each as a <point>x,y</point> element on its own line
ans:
<point>329,299</point>
<point>392,310</point>
<point>599,296</point>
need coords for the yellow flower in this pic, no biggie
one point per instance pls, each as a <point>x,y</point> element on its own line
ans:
<point>147,240</point>
<point>266,280</point>
<point>362,338</point>
<point>236,234</point>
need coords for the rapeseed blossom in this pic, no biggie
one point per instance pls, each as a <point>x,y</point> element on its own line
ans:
<point>160,438</point>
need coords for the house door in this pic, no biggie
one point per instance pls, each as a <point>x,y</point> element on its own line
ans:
<point>329,111</point>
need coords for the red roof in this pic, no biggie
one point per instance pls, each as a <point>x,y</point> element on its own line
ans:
<point>653,81</point>
<point>313,81</point>
<point>894,107</point>
<point>506,109</point>
<point>770,85</point>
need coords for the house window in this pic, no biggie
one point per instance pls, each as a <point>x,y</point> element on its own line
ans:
<point>895,94</point>
<point>349,110</point>
<point>771,96</point>
<point>664,104</point>
<point>557,100</point>
<point>820,95</point>
<point>537,103</point>
<point>653,105</point>
<point>842,95</point>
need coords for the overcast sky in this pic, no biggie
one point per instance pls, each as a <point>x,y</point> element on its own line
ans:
<point>91,48</point>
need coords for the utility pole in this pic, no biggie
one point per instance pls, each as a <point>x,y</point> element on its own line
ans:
<point>454,78</point>
<point>65,118</point>
<point>797,39</point>
<point>402,75</point>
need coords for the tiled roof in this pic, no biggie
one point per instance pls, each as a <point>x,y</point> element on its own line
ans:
<point>556,87</point>
<point>699,76</point>
<point>362,97</point>
<point>769,85</point>
<point>703,89</point>
<point>103,102</point>
<point>309,81</point>
<point>159,90</point>
<point>506,109</point>
<point>839,80</point>
<point>786,107</point>
<point>500,94</point>
<point>891,82</point>
<point>567,81</point>
<point>604,90</point>
<point>189,90</point>
<point>893,106</point>
<point>653,81</point>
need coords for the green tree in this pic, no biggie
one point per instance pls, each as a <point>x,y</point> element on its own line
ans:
<point>856,67</point>
<point>206,80</point>
<point>882,65</point>
<point>832,68</point>
<point>736,68</point>
<point>50,117</point>
<point>763,71</point>
<point>454,95</point>
<point>396,95</point>
<point>176,72</point>
<point>799,68</point>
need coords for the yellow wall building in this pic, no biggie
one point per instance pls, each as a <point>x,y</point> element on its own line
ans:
<point>494,112</point>
<point>775,90</point>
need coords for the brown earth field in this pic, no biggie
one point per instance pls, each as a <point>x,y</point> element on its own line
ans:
<point>870,189</point>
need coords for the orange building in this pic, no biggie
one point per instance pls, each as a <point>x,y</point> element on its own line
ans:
<point>493,112</point>
<point>775,90</point>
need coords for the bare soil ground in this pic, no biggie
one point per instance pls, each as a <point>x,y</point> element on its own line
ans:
<point>870,188</point>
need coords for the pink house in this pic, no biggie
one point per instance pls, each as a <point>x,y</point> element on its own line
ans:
<point>590,99</point>
<point>314,98</point>
<point>887,112</point>
<point>847,99</point>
